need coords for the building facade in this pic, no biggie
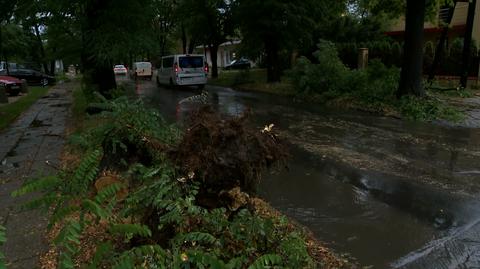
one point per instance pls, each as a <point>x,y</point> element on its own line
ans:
<point>433,30</point>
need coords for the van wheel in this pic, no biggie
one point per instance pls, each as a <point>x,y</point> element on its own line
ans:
<point>201,87</point>
<point>158,82</point>
<point>170,85</point>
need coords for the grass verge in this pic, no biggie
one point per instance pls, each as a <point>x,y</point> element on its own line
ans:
<point>9,112</point>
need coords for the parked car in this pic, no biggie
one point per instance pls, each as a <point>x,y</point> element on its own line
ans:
<point>12,85</point>
<point>120,70</point>
<point>3,66</point>
<point>183,70</point>
<point>142,70</point>
<point>239,64</point>
<point>32,77</point>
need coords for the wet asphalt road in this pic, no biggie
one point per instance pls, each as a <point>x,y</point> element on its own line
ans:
<point>389,192</point>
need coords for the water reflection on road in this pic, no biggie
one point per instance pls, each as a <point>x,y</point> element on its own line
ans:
<point>391,193</point>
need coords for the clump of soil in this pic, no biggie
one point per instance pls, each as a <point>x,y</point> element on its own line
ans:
<point>226,153</point>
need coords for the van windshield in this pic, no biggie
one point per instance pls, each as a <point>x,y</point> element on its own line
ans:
<point>191,62</point>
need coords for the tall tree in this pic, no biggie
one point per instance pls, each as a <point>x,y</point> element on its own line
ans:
<point>212,23</point>
<point>411,74</point>
<point>7,8</point>
<point>271,26</point>
<point>467,43</point>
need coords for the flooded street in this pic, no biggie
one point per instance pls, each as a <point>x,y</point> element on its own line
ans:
<point>388,192</point>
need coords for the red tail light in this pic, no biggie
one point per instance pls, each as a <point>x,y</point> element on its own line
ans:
<point>206,68</point>
<point>175,67</point>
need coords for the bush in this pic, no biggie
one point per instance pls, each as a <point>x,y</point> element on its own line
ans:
<point>427,109</point>
<point>372,89</point>
<point>328,77</point>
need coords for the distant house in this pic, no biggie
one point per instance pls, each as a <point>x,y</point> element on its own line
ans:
<point>433,30</point>
<point>227,52</point>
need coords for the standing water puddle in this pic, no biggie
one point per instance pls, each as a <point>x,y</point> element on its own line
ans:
<point>376,219</point>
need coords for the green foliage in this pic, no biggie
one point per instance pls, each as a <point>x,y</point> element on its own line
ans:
<point>159,223</point>
<point>373,89</point>
<point>427,109</point>
<point>328,76</point>
<point>2,241</point>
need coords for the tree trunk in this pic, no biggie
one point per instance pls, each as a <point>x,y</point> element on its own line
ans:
<point>213,58</point>
<point>273,68</point>
<point>467,43</point>
<point>411,75</point>
<point>42,49</point>
<point>184,40</point>
<point>441,43</point>
<point>191,46</point>
<point>52,68</point>
<point>98,72</point>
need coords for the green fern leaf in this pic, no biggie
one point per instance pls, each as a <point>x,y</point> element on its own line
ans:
<point>198,237</point>
<point>134,229</point>
<point>62,213</point>
<point>96,209</point>
<point>103,250</point>
<point>266,261</point>
<point>108,192</point>
<point>38,185</point>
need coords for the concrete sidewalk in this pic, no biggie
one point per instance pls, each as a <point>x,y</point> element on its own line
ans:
<point>25,147</point>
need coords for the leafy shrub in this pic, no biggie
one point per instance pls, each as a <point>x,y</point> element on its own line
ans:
<point>151,216</point>
<point>371,89</point>
<point>427,109</point>
<point>328,77</point>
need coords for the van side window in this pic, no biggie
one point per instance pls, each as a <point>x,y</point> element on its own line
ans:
<point>167,62</point>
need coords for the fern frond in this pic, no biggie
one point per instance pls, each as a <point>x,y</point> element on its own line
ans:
<point>86,172</point>
<point>108,192</point>
<point>267,260</point>
<point>69,240</point>
<point>133,229</point>
<point>65,262</point>
<point>96,209</point>
<point>43,202</point>
<point>125,262</point>
<point>205,260</point>
<point>103,250</point>
<point>61,213</point>
<point>197,237</point>
<point>41,184</point>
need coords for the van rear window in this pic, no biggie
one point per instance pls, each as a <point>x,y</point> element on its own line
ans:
<point>144,65</point>
<point>191,62</point>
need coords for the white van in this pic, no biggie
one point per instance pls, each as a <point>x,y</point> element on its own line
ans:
<point>183,70</point>
<point>142,69</point>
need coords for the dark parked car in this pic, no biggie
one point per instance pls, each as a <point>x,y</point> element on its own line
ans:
<point>12,85</point>
<point>32,77</point>
<point>239,64</point>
